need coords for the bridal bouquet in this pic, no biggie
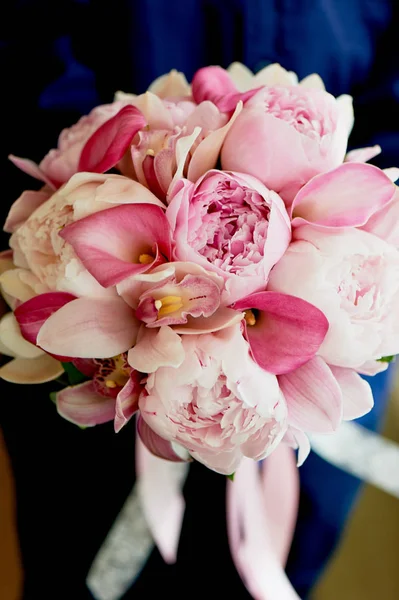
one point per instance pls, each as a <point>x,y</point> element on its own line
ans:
<point>209,258</point>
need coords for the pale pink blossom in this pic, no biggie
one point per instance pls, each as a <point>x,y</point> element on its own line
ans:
<point>38,246</point>
<point>311,123</point>
<point>353,277</point>
<point>211,403</point>
<point>231,224</point>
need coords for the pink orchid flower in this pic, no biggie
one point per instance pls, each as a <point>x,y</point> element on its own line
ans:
<point>284,332</point>
<point>111,394</point>
<point>118,242</point>
<point>182,295</point>
<point>164,152</point>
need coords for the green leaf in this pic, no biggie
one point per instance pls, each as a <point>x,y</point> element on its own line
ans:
<point>231,476</point>
<point>74,375</point>
<point>53,397</point>
<point>386,359</point>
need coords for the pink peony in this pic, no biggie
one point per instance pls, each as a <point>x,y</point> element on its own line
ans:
<point>218,403</point>
<point>38,247</point>
<point>231,224</point>
<point>286,135</point>
<point>353,277</point>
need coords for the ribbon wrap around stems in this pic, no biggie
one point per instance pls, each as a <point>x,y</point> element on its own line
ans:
<point>262,504</point>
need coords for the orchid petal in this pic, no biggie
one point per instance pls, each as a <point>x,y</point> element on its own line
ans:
<point>126,191</point>
<point>216,85</point>
<point>82,405</point>
<point>90,328</point>
<point>357,394</point>
<point>31,370</point>
<point>312,82</point>
<point>298,440</point>
<point>14,288</point>
<point>363,155</point>
<point>11,337</point>
<point>172,84</point>
<point>224,317</point>
<point>183,147</point>
<point>109,142</point>
<point>32,314</point>
<point>392,173</point>
<point>206,154</point>
<point>241,76</point>
<point>344,197</point>
<point>155,444</point>
<point>31,168</point>
<point>127,401</point>
<point>156,348</point>
<point>313,397</point>
<point>287,333</point>
<point>23,207</point>
<point>385,223</point>
<point>110,243</point>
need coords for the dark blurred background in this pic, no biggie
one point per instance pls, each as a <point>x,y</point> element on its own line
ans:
<point>57,61</point>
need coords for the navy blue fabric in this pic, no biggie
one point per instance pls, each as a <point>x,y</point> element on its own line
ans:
<point>58,60</point>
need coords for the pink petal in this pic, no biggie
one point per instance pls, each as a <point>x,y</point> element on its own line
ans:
<point>224,317</point>
<point>384,223</point>
<point>344,197</point>
<point>90,328</point>
<point>216,85</point>
<point>23,208</point>
<point>357,394</point>
<point>82,405</point>
<point>127,401</point>
<point>297,439</point>
<point>31,370</point>
<point>206,154</point>
<point>110,242</point>
<point>151,178</point>
<point>155,444</point>
<point>156,348</point>
<point>363,155</point>
<point>288,330</point>
<point>109,143</point>
<point>199,296</point>
<point>313,397</point>
<point>32,314</point>
<point>120,190</point>
<point>31,168</point>
<point>87,366</point>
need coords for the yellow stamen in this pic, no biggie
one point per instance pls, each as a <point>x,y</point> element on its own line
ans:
<point>150,152</point>
<point>146,259</point>
<point>250,318</point>
<point>168,304</point>
<point>110,383</point>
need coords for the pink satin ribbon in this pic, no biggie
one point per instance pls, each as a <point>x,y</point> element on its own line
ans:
<point>262,504</point>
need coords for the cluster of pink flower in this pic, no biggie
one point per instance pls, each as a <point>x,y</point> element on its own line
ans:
<point>229,283</point>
